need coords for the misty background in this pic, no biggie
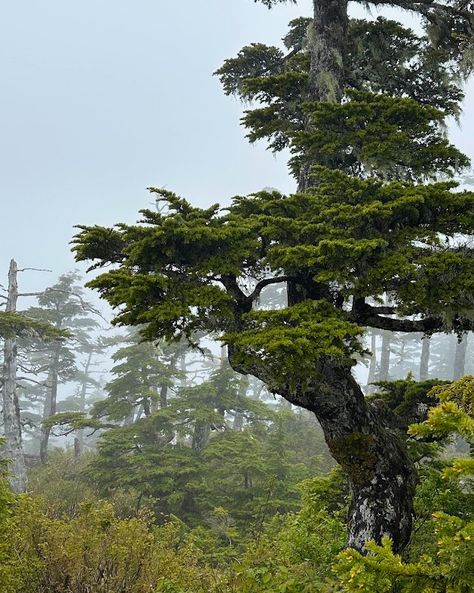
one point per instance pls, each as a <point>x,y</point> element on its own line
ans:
<point>102,99</point>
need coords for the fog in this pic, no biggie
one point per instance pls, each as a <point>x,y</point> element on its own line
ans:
<point>101,100</point>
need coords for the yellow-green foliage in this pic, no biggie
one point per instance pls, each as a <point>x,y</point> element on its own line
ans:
<point>96,546</point>
<point>95,552</point>
<point>451,570</point>
<point>454,414</point>
<point>445,564</point>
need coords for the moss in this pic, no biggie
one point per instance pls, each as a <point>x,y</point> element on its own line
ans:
<point>329,86</point>
<point>356,454</point>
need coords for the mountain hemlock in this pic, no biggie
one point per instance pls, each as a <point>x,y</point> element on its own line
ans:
<point>362,106</point>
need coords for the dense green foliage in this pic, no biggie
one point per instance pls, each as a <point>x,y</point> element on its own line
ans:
<point>200,482</point>
<point>374,238</point>
<point>380,56</point>
<point>65,539</point>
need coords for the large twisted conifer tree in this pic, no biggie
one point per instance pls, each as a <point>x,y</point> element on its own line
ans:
<point>362,106</point>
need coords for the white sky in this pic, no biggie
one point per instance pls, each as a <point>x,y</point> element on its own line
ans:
<point>103,98</point>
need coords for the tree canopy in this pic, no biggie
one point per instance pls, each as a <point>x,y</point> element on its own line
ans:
<point>374,238</point>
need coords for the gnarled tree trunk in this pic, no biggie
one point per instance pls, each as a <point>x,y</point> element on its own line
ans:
<point>372,455</point>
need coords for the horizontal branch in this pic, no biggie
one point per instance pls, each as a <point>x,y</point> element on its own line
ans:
<point>384,310</point>
<point>33,270</point>
<point>40,383</point>
<point>427,325</point>
<point>266,282</point>
<point>365,314</point>
<point>29,294</point>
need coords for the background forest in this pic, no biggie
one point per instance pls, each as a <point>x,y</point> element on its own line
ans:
<point>284,398</point>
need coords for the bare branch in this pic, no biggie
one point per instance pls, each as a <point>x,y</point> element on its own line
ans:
<point>30,294</point>
<point>41,383</point>
<point>85,305</point>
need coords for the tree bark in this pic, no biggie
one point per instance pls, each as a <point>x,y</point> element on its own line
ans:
<point>425,358</point>
<point>327,38</point>
<point>327,41</point>
<point>13,450</point>
<point>374,458</point>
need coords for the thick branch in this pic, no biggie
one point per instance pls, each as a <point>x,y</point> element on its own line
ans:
<point>365,314</point>
<point>266,282</point>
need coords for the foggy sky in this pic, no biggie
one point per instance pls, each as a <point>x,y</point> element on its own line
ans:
<point>103,98</point>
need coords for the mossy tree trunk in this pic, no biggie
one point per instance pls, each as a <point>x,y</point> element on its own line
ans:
<point>327,40</point>
<point>373,456</point>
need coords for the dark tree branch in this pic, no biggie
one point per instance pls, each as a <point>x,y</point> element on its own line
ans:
<point>365,314</point>
<point>232,287</point>
<point>33,270</point>
<point>384,310</point>
<point>266,282</point>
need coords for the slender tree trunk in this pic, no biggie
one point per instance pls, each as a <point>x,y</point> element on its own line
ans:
<point>425,358</point>
<point>163,396</point>
<point>137,413</point>
<point>183,369</point>
<point>146,406</point>
<point>239,415</point>
<point>50,402</point>
<point>373,363</point>
<point>460,358</point>
<point>163,393</point>
<point>130,419</point>
<point>78,448</point>
<point>384,369</point>
<point>79,445</point>
<point>201,434</point>
<point>13,450</point>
